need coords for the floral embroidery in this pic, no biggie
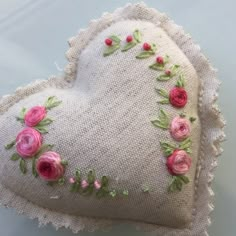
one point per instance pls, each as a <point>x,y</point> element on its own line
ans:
<point>87,187</point>
<point>112,45</point>
<point>168,73</point>
<point>29,144</point>
<point>160,63</point>
<point>132,41</point>
<point>180,128</point>
<point>148,51</point>
<point>50,167</point>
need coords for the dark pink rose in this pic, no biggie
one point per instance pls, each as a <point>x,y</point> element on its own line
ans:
<point>28,142</point>
<point>179,163</point>
<point>49,166</point>
<point>178,97</point>
<point>35,115</point>
<point>180,128</point>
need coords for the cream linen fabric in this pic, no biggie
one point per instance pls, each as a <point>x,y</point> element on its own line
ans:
<point>104,123</point>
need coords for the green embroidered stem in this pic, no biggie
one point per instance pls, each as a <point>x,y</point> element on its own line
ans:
<point>162,121</point>
<point>137,39</point>
<point>52,102</point>
<point>177,182</point>
<point>147,54</point>
<point>10,145</point>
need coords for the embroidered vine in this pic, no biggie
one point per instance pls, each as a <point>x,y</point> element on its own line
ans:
<point>92,185</point>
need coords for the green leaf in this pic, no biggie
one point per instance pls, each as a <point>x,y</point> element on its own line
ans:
<point>44,148</point>
<point>78,175</point>
<point>185,144</point>
<point>100,194</point>
<point>105,181</point>
<point>156,66</point>
<point>174,69</point>
<point>88,191</point>
<point>163,77</point>
<point>164,101</point>
<point>192,119</point>
<point>52,102</point>
<point>162,121</point>
<point>163,93</point>
<point>64,163</point>
<point>175,185</point>
<point>111,49</point>
<point>115,38</point>
<point>129,46</point>
<point>21,115</point>
<point>15,157</point>
<point>125,193</point>
<point>10,145</point>
<point>145,54</point>
<point>61,181</point>
<point>113,193</point>
<point>46,121</point>
<point>41,129</point>
<point>184,178</point>
<point>75,187</point>
<point>181,81</point>
<point>34,172</point>
<point>91,176</point>
<point>145,189</point>
<point>153,48</point>
<point>137,36</point>
<point>23,168</point>
<point>167,148</point>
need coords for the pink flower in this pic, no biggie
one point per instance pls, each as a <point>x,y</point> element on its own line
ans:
<point>28,142</point>
<point>84,184</point>
<point>72,180</point>
<point>97,184</point>
<point>49,166</point>
<point>35,115</point>
<point>180,128</point>
<point>179,163</point>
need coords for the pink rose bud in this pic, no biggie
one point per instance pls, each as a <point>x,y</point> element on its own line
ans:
<point>28,142</point>
<point>49,166</point>
<point>160,60</point>
<point>84,184</point>
<point>35,115</point>
<point>180,128</point>
<point>146,46</point>
<point>129,39</point>
<point>72,180</point>
<point>168,72</point>
<point>179,163</point>
<point>108,42</point>
<point>97,184</point>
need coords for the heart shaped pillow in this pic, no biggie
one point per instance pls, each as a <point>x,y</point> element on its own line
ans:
<point>129,133</point>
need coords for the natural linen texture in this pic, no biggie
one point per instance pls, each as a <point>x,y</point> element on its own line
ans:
<point>103,123</point>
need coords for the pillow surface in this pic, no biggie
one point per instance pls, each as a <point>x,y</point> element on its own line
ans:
<point>130,133</point>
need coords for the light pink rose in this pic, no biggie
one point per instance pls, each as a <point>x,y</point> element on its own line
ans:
<point>179,163</point>
<point>49,166</point>
<point>97,184</point>
<point>84,184</point>
<point>180,128</point>
<point>72,180</point>
<point>28,142</point>
<point>35,115</point>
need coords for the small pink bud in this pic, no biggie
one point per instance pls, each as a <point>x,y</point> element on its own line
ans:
<point>84,184</point>
<point>108,42</point>
<point>129,39</point>
<point>167,72</point>
<point>160,60</point>
<point>146,46</point>
<point>72,180</point>
<point>97,184</point>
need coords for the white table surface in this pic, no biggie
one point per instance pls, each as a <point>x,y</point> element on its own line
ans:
<point>33,36</point>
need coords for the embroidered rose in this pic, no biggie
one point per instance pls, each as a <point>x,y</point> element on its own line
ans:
<point>180,128</point>
<point>28,142</point>
<point>178,163</point>
<point>178,97</point>
<point>35,115</point>
<point>49,166</point>
<point>97,184</point>
<point>84,184</point>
